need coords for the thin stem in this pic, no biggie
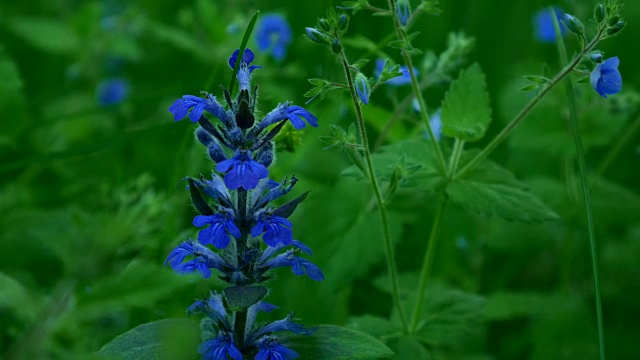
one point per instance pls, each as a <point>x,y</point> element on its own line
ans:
<point>454,160</point>
<point>415,86</point>
<point>585,187</point>
<point>615,150</point>
<point>525,111</point>
<point>426,266</point>
<point>391,262</point>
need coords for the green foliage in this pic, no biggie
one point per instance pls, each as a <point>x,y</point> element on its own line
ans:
<point>337,343</point>
<point>466,110</point>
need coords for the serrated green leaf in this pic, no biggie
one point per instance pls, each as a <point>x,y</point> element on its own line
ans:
<point>46,34</point>
<point>337,343</point>
<point>409,347</point>
<point>491,189</point>
<point>466,110</point>
<point>159,340</point>
<point>449,315</point>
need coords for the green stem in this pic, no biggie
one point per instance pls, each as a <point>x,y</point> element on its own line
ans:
<point>525,111</point>
<point>615,150</point>
<point>391,262</point>
<point>415,86</point>
<point>585,187</point>
<point>426,266</point>
<point>454,160</point>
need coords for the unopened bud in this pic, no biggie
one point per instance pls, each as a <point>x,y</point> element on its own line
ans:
<point>616,28</point>
<point>600,13</point>
<point>317,36</point>
<point>343,21</point>
<point>596,57</point>
<point>336,47</point>
<point>362,88</point>
<point>324,24</point>
<point>403,11</point>
<point>613,20</point>
<point>573,24</point>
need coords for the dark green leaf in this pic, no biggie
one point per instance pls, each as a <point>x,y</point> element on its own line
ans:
<point>491,189</point>
<point>337,343</point>
<point>163,339</point>
<point>466,110</point>
<point>287,209</point>
<point>242,297</point>
<point>46,34</point>
<point>375,326</point>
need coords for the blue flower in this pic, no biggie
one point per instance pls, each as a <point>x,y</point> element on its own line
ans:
<point>204,259</point>
<point>112,92</point>
<point>270,349</point>
<point>276,229</point>
<point>605,77</point>
<point>219,348</point>
<point>543,24</point>
<point>244,70</point>
<point>403,11</point>
<point>404,79</point>
<point>213,307</point>
<point>216,234</point>
<point>242,171</point>
<point>362,88</point>
<point>299,266</point>
<point>273,33</point>
<point>181,107</point>
<point>282,325</point>
<point>292,112</point>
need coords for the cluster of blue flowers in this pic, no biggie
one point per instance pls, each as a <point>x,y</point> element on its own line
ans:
<point>236,213</point>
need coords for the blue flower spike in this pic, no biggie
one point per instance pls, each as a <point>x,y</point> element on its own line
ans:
<point>605,77</point>
<point>236,206</point>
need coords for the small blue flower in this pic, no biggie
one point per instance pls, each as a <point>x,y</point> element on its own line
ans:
<point>362,88</point>
<point>204,259</point>
<point>247,58</point>
<point>292,112</point>
<point>219,348</point>
<point>403,11</point>
<point>605,77</point>
<point>213,307</point>
<point>270,349</point>
<point>543,24</point>
<point>404,79</point>
<point>242,171</point>
<point>216,234</point>
<point>181,107</point>
<point>273,34</point>
<point>276,229</point>
<point>112,92</point>
<point>299,266</point>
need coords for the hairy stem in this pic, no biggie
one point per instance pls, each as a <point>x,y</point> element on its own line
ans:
<point>562,51</point>
<point>391,262</point>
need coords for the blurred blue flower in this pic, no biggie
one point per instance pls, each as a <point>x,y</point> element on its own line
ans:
<point>543,24</point>
<point>270,349</point>
<point>273,34</point>
<point>404,79</point>
<point>434,120</point>
<point>216,234</point>
<point>112,91</point>
<point>242,171</point>
<point>219,348</point>
<point>605,77</point>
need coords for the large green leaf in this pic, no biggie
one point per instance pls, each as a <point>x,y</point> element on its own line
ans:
<point>337,343</point>
<point>466,110</point>
<point>491,189</point>
<point>46,34</point>
<point>159,340</point>
<point>375,326</point>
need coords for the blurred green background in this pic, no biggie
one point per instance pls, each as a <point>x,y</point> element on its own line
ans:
<point>92,201</point>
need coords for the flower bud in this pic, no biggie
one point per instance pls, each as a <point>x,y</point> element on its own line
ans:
<point>324,24</point>
<point>336,47</point>
<point>203,136</point>
<point>600,13</point>
<point>596,57</point>
<point>573,24</point>
<point>216,153</point>
<point>403,11</point>
<point>317,36</point>
<point>362,88</point>
<point>613,20</point>
<point>616,28</point>
<point>343,21</point>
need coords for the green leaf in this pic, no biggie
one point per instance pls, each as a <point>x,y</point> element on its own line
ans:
<point>505,305</point>
<point>337,343</point>
<point>491,189</point>
<point>466,110</point>
<point>198,201</point>
<point>409,347</point>
<point>162,339</point>
<point>375,326</point>
<point>449,315</point>
<point>46,34</point>
<point>242,297</point>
